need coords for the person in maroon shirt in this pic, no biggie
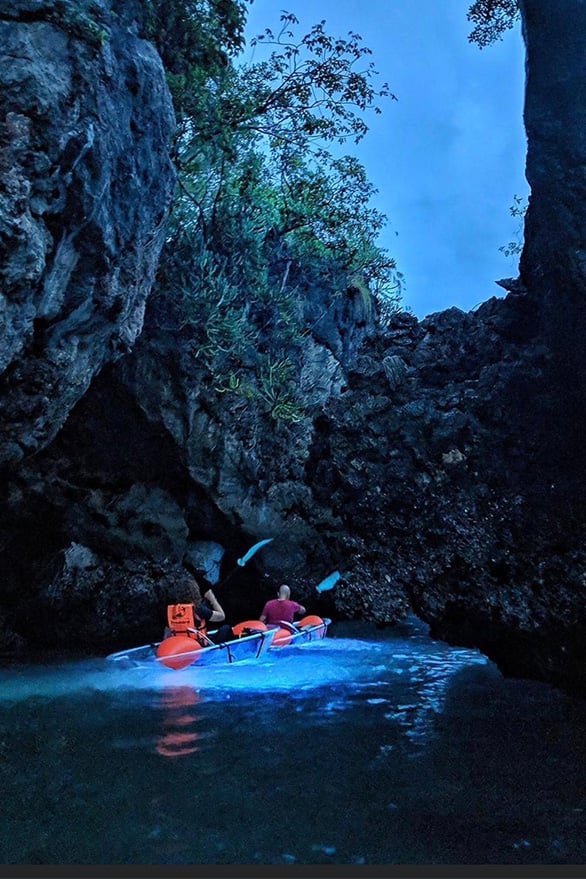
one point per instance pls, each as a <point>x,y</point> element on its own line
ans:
<point>281,608</point>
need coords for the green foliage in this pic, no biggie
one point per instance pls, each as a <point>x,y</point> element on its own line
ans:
<point>264,211</point>
<point>195,39</point>
<point>277,383</point>
<point>245,328</point>
<point>84,20</point>
<point>491,18</point>
<point>311,89</point>
<point>518,209</point>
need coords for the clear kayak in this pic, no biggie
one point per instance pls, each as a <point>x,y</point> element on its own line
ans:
<point>310,628</point>
<point>180,651</point>
<point>251,642</point>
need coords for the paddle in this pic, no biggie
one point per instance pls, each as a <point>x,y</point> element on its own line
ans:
<point>328,583</point>
<point>246,558</point>
<point>241,562</point>
<point>290,626</point>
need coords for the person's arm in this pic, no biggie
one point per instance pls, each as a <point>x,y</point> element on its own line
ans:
<point>300,608</point>
<point>218,615</point>
<point>263,616</point>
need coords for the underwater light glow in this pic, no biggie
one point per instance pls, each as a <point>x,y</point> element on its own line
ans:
<point>320,664</point>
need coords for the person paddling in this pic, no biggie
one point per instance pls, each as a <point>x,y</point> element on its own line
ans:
<point>280,609</point>
<point>211,611</point>
<point>206,609</point>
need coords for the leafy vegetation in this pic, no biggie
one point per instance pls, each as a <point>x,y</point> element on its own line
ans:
<point>195,39</point>
<point>491,18</point>
<point>267,210</point>
<point>518,210</point>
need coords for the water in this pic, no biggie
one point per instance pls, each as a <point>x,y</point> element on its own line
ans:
<point>365,748</point>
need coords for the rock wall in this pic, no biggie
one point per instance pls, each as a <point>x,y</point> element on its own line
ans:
<point>433,477</point>
<point>491,552</point>
<point>85,186</point>
<point>553,264</point>
<point>439,465</point>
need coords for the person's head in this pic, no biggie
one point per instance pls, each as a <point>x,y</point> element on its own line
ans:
<point>191,590</point>
<point>284,591</point>
<point>192,593</point>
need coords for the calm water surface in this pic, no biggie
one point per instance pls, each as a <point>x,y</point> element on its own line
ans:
<point>365,748</point>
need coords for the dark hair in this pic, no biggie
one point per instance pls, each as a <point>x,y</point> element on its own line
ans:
<point>201,580</point>
<point>189,593</point>
<point>189,566</point>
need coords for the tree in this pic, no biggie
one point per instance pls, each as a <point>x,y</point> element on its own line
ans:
<point>265,211</point>
<point>195,39</point>
<point>491,19</point>
<point>310,89</point>
<point>284,110</point>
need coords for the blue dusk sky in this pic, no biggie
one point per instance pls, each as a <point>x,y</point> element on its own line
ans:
<point>448,157</point>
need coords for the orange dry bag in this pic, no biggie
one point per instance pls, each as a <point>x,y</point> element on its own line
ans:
<point>281,638</point>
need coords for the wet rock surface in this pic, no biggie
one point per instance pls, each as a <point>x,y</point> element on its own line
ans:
<point>85,186</point>
<point>439,464</point>
<point>446,491</point>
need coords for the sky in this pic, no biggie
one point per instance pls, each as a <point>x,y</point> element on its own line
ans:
<point>448,157</point>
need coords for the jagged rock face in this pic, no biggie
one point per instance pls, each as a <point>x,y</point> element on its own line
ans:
<point>483,500</point>
<point>155,458</point>
<point>250,467</point>
<point>553,263</point>
<point>439,467</point>
<point>86,602</point>
<point>85,185</point>
<point>433,478</point>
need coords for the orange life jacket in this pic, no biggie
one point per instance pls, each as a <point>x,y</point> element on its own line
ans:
<point>182,617</point>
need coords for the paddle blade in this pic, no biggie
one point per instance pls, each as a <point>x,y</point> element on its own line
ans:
<point>251,551</point>
<point>329,582</point>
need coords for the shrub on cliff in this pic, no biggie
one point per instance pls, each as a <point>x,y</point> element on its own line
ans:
<point>267,209</point>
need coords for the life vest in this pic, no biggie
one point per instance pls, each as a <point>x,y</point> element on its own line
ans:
<point>182,617</point>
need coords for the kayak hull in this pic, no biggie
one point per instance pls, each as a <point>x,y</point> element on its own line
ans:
<point>293,636</point>
<point>251,647</point>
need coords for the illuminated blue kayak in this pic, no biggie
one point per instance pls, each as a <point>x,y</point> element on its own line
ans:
<point>252,641</point>
<point>181,651</point>
<point>309,629</point>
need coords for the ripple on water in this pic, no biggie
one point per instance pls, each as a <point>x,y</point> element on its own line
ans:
<point>333,660</point>
<point>394,751</point>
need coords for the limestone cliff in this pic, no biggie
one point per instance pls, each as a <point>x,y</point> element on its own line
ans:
<point>85,186</point>
<point>438,464</point>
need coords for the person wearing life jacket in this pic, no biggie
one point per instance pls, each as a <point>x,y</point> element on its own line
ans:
<point>197,613</point>
<point>280,609</point>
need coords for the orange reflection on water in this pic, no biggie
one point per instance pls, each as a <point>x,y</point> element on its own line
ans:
<point>178,739</point>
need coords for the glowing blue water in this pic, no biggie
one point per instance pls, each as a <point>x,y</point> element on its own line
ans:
<point>362,748</point>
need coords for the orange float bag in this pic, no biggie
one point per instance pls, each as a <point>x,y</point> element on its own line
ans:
<point>248,627</point>
<point>310,620</point>
<point>281,638</point>
<point>178,651</point>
